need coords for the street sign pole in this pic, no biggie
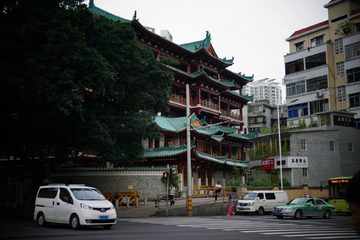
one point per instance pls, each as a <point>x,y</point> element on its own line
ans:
<point>189,170</point>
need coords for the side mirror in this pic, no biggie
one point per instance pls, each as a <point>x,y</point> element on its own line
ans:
<point>307,204</point>
<point>257,198</point>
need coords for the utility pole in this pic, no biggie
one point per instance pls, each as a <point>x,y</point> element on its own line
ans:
<point>189,170</point>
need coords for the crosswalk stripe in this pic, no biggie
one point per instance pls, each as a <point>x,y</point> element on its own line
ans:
<point>314,231</point>
<point>320,234</point>
<point>334,237</point>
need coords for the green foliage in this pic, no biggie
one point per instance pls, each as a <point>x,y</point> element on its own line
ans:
<point>262,179</point>
<point>345,28</point>
<point>265,130</point>
<point>313,123</point>
<point>169,61</point>
<point>302,123</point>
<point>70,81</point>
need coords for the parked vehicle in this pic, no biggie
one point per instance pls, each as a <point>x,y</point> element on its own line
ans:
<point>76,205</point>
<point>260,201</point>
<point>304,207</point>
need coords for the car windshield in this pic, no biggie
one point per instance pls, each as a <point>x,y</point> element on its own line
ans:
<point>248,196</point>
<point>87,194</point>
<point>297,201</point>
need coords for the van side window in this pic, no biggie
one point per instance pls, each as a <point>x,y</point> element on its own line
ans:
<point>260,195</point>
<point>65,195</point>
<point>47,192</point>
<point>270,196</point>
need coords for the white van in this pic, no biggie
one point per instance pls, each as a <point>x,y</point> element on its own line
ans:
<point>76,205</point>
<point>260,201</point>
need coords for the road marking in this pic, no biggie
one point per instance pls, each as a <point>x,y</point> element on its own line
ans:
<point>334,237</point>
<point>314,231</point>
<point>322,234</point>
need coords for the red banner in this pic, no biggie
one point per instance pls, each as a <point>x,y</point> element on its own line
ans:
<point>267,164</point>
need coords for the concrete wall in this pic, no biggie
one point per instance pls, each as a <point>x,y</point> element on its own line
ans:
<point>148,184</point>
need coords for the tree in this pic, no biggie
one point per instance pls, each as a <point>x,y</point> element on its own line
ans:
<point>70,81</point>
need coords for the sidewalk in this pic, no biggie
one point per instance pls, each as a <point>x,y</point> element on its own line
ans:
<point>150,209</point>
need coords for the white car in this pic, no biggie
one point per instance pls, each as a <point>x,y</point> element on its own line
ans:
<point>260,201</point>
<point>76,205</point>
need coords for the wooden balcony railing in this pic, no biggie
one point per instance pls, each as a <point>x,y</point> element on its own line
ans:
<point>231,115</point>
<point>204,103</point>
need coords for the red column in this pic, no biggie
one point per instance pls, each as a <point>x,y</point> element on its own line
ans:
<point>179,166</point>
<point>198,95</point>
<point>229,152</point>
<point>150,143</point>
<point>219,103</point>
<point>228,108</point>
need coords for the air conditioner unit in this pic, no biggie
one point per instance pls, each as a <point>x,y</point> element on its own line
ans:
<point>260,109</point>
<point>319,94</point>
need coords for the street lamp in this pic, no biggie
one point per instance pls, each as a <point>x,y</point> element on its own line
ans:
<point>278,115</point>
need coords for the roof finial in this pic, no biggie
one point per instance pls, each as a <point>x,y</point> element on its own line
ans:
<point>134,17</point>
<point>91,3</point>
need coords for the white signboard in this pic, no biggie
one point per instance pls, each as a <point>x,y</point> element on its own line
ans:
<point>297,162</point>
<point>293,162</point>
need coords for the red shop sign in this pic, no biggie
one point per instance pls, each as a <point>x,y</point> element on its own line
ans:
<point>267,164</point>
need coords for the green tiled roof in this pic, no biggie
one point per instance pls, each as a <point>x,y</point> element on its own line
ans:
<point>166,151</point>
<point>250,98</point>
<point>250,78</point>
<point>222,160</point>
<point>218,138</point>
<point>100,12</point>
<point>244,136</point>
<point>174,124</point>
<point>201,71</point>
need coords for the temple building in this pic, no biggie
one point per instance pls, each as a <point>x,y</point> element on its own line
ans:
<point>215,107</point>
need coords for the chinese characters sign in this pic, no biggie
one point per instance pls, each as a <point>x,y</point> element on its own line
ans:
<point>344,121</point>
<point>267,164</point>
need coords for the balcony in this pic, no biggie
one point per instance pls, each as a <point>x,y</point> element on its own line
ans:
<point>230,114</point>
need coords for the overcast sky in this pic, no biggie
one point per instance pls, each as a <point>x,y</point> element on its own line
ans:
<point>253,32</point>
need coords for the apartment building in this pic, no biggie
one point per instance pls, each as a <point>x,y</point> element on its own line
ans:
<point>323,65</point>
<point>265,88</point>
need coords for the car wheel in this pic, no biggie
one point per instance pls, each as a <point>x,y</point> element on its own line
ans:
<point>298,214</point>
<point>74,222</point>
<point>107,226</point>
<point>261,211</point>
<point>327,214</point>
<point>41,220</point>
<point>280,217</point>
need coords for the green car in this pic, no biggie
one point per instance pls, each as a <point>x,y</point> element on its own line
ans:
<point>304,207</point>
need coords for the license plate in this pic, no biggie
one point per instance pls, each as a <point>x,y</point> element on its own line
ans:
<point>103,218</point>
<point>242,208</point>
<point>277,213</point>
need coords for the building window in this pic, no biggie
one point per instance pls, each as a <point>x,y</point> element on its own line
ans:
<point>295,88</point>
<point>354,100</point>
<point>316,83</point>
<point>338,18</point>
<point>315,60</point>
<point>352,50</point>
<point>332,146</point>
<point>353,75</point>
<point>303,145</point>
<point>305,172</point>
<point>294,66</point>
<point>298,110</point>
<point>319,106</point>
<point>338,46</point>
<point>317,41</point>
<point>350,147</point>
<point>341,93</point>
<point>357,27</point>
<point>299,46</point>
<point>357,123</point>
<point>340,69</point>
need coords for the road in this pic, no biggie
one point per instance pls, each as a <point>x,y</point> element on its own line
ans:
<point>212,227</point>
